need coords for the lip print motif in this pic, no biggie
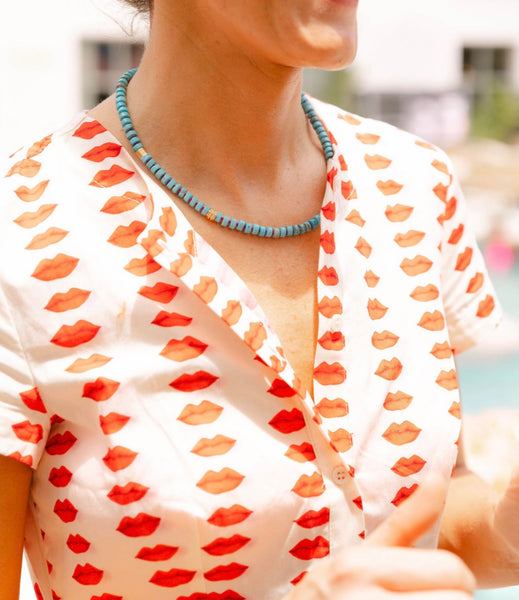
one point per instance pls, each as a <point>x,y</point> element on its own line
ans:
<point>330,374</point>
<point>377,162</point>
<point>441,191</point>
<point>119,204</point>
<point>118,458</point>
<point>328,211</point>
<point>168,221</point>
<point>355,218</point>
<point>299,578</point>
<point>31,194</point>
<point>464,259</point>
<point>416,266</point>
<point>329,307</point>
<point>77,544</point>
<point>216,446</point>
<point>330,176</point>
<point>332,408</point>
<point>397,213</point>
<point>87,574</point>
<point>70,336</point>
<point>181,265</point>
<point>82,365</point>
<point>89,130</point>
<point>200,414</point>
<point>384,339</point>
<point>27,432</point>
<point>403,493</point>
<point>301,453</point>
<point>74,298</point>
<point>450,211</point>
<point>281,389</point>
<point>328,275</point>
<point>371,279</point>
<point>58,267</point>
<point>442,350</point>
<point>227,595</point>
<point>389,369</point>
<point>110,177</point>
<point>131,492</point>
<point>142,266</point>
<point>140,526</point>
<point>222,546</point>
<point>60,443</point>
<point>401,433</point>
<point>358,502</point>
<point>157,553</point>
<point>25,167</point>
<point>99,153</point>
<point>103,597</point>
<point>288,421</point>
<point>39,147</point>
<point>475,284</point>
<point>309,486</point>
<point>376,309</point>
<point>53,235</point>
<point>485,307</point>
<point>332,341</point>
<point>410,238</point>
<point>113,422</point>
<point>32,399</point>
<point>327,242</point>
<point>350,119</point>
<point>363,247</point>
<point>65,510</point>
<point>27,460</point>
<point>231,314</point>
<point>390,187</point>
<point>101,389</point>
<point>455,410</point>
<point>225,572</point>
<point>255,336</point>
<point>171,319</point>
<point>310,549</point>
<point>341,440</point>
<point>456,234</point>
<point>432,321</point>
<point>160,292</point>
<point>194,382</point>
<point>312,518</point>
<point>206,289</point>
<point>151,242</point>
<point>218,482</point>
<point>448,380</point>
<point>440,166</point>
<point>367,138</point>
<point>425,293</point>
<point>60,477</point>
<point>408,466</point>
<point>184,349</point>
<point>225,517</point>
<point>125,236</point>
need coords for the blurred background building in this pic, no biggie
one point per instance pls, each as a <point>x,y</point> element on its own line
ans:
<point>446,70</point>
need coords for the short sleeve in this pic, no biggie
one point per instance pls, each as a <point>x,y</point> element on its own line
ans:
<point>24,422</point>
<point>470,303</point>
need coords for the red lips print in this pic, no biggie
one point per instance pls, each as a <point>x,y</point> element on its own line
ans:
<point>308,486</point>
<point>74,298</point>
<point>119,204</point>
<point>184,349</point>
<point>450,211</point>
<point>301,453</point>
<point>476,283</point>
<point>288,422</point>
<point>255,336</point>
<point>103,597</point>
<point>416,266</point>
<point>140,526</point>
<point>206,289</point>
<point>25,168</point>
<point>389,369</point>
<point>328,275</point>
<point>28,432</point>
<point>227,595</point>
<point>448,380</point>
<point>403,493</point>
<point>110,177</point>
<point>157,553</point>
<point>181,265</point>
<point>217,446</point>
<point>218,482</point>
<point>65,510</point>
<point>160,292</point>
<point>60,477</point>
<point>455,409</point>
<point>410,238</point>
<point>384,339</point>
<point>99,153</point>
<point>119,458</point>
<point>367,138</point>
<point>401,433</point>
<point>390,187</point>
<point>32,399</point>
<point>376,309</point>
<point>58,267</point>
<point>89,130</point>
<point>377,162</point>
<point>281,389</point>
<point>464,259</point>
<point>408,466</point>
<point>131,492</point>
<point>142,266</point>
<point>53,235</point>
<point>355,218</point>
<point>87,574</point>
<point>31,194</point>
<point>440,191</point>
<point>231,314</point>
<point>113,422</point>
<point>329,307</point>
<point>194,382</point>
<point>371,279</point>
<point>327,242</point>
<point>101,389</point>
<point>441,351</point>
<point>332,408</point>
<point>60,443</point>
<point>363,247</point>
<point>77,544</point>
<point>313,518</point>
<point>125,236</point>
<point>39,147</point>
<point>309,549</point>
<point>328,211</point>
<point>341,440</point>
<point>70,336</point>
<point>434,321</point>
<point>330,374</point>
<point>486,307</point>
<point>425,293</point>
<point>224,517</point>
<point>26,460</point>
<point>397,401</point>
<point>456,234</point>
<point>225,572</point>
<point>81,365</point>
<point>397,213</point>
<point>171,319</point>
<point>200,414</point>
<point>221,546</point>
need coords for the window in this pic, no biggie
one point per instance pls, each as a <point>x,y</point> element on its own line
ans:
<point>484,68</point>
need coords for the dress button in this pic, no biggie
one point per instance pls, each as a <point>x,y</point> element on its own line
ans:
<point>336,324</point>
<point>340,474</point>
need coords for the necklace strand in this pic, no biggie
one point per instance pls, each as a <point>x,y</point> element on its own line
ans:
<point>201,207</point>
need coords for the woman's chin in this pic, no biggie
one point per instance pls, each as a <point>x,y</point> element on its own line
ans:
<point>328,49</point>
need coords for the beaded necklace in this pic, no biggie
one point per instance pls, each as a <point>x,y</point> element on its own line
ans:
<point>204,209</point>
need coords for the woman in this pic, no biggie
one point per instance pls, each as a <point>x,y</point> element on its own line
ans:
<point>198,412</point>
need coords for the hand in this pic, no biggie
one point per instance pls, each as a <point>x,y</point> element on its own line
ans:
<point>386,567</point>
<point>506,516</point>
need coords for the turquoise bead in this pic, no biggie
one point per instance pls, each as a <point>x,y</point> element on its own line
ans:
<point>233,223</point>
<point>241,225</point>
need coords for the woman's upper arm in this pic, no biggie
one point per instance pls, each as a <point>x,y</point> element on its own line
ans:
<point>15,481</point>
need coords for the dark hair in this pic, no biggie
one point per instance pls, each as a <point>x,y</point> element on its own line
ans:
<point>142,6</point>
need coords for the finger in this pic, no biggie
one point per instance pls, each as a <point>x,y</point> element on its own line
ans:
<point>506,515</point>
<point>414,517</point>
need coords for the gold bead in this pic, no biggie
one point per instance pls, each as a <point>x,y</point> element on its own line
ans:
<point>140,152</point>
<point>211,214</point>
